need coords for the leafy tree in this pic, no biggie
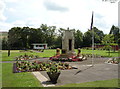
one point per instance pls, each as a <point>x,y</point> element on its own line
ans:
<point>116,33</point>
<point>78,39</point>
<point>87,38</point>
<point>44,29</point>
<point>99,33</point>
<point>61,30</point>
<point>108,40</point>
<point>58,38</point>
<point>35,36</point>
<point>24,37</point>
<point>14,37</point>
<point>48,34</point>
<point>4,43</point>
<point>51,35</point>
<point>58,41</point>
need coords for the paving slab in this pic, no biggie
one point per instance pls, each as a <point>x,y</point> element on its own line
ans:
<point>87,74</point>
<point>44,81</point>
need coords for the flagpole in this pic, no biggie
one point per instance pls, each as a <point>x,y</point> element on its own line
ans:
<point>92,47</point>
<point>91,28</point>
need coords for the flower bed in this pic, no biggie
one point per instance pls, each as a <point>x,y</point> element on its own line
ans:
<point>71,58</point>
<point>94,55</point>
<point>26,57</point>
<point>26,66</point>
<point>115,60</point>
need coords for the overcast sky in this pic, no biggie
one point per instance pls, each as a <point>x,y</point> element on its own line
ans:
<point>61,13</point>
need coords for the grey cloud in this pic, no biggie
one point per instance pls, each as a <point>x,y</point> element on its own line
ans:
<point>54,7</point>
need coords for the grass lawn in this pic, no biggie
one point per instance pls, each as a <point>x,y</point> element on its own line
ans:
<point>51,52</point>
<point>103,83</point>
<point>10,79</point>
<point>14,53</point>
<point>100,52</point>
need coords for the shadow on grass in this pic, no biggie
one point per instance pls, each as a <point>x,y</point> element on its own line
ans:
<point>112,52</point>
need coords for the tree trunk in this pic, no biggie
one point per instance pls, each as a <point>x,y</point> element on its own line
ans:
<point>8,52</point>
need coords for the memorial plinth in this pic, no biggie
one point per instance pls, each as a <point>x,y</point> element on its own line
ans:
<point>68,43</point>
<point>68,53</point>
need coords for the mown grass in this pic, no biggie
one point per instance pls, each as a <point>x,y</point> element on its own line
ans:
<point>100,52</point>
<point>103,83</point>
<point>51,52</point>
<point>15,53</point>
<point>24,79</point>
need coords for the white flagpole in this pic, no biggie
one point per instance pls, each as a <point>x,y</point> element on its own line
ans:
<point>92,47</point>
<point>92,39</point>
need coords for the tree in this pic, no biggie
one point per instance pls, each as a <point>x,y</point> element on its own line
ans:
<point>99,33</point>
<point>116,33</point>
<point>51,36</point>
<point>58,41</point>
<point>4,43</point>
<point>78,39</point>
<point>87,38</point>
<point>48,34</point>
<point>35,36</point>
<point>24,34</point>
<point>58,38</point>
<point>14,37</point>
<point>108,40</point>
<point>19,37</point>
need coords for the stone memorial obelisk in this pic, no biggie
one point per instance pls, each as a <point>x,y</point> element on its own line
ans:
<point>68,43</point>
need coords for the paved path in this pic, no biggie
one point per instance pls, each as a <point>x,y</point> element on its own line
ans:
<point>85,73</point>
<point>42,79</point>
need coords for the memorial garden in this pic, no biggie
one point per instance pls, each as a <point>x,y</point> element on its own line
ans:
<point>69,65</point>
<point>27,79</point>
<point>59,44</point>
